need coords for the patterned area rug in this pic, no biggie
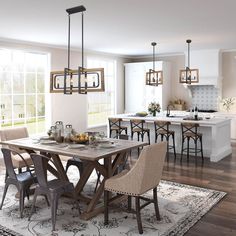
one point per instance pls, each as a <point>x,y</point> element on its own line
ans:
<point>181,206</point>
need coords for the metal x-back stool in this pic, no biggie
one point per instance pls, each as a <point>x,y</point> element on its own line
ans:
<point>162,129</point>
<point>115,125</point>
<point>137,126</point>
<point>190,132</point>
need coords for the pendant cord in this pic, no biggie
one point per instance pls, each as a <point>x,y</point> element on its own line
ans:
<point>68,66</point>
<point>82,41</point>
<point>153,57</point>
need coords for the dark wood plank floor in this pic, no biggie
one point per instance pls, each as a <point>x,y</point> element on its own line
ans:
<point>221,219</point>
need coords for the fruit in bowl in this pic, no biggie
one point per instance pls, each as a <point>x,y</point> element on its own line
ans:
<point>80,138</point>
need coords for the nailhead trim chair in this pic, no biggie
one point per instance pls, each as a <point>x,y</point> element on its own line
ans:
<point>144,176</point>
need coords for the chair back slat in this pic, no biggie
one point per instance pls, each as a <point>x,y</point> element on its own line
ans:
<point>191,128</point>
<point>7,156</point>
<point>40,164</point>
<point>162,125</point>
<point>137,124</point>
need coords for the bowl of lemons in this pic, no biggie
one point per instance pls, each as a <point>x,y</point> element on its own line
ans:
<point>80,138</point>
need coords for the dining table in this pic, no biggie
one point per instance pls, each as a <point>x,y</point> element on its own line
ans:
<point>104,157</point>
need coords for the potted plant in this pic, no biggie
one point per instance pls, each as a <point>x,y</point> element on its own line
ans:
<point>227,103</point>
<point>153,108</point>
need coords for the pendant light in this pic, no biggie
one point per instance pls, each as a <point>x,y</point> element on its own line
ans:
<point>153,77</point>
<point>82,80</point>
<point>188,75</point>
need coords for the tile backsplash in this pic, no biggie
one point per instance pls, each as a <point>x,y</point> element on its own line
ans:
<point>205,97</point>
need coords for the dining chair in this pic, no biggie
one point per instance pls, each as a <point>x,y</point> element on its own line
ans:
<point>16,133</point>
<point>22,180</point>
<point>115,125</point>
<point>190,132</point>
<point>144,176</point>
<point>52,189</point>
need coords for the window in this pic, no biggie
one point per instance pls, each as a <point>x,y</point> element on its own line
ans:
<point>102,104</point>
<point>22,89</point>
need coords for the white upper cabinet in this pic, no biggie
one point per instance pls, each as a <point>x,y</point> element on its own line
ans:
<point>209,64</point>
<point>137,94</point>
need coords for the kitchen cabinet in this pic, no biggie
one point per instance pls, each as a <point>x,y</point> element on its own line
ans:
<point>232,117</point>
<point>137,94</point>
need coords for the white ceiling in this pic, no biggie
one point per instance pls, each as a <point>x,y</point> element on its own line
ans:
<point>124,27</point>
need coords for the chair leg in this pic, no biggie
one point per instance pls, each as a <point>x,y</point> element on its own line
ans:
<point>129,203</point>
<point>201,149</point>
<point>33,204</point>
<point>54,211</point>
<point>173,138</point>
<point>4,194</point>
<point>22,198</point>
<point>195,141</point>
<point>182,149</point>
<point>148,133</point>
<point>106,216</point>
<point>155,201</point>
<point>139,222</point>
<point>188,139</point>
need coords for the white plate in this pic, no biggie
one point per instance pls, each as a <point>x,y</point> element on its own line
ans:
<point>44,138</point>
<point>104,140</point>
<point>107,145</point>
<point>48,142</point>
<point>74,146</point>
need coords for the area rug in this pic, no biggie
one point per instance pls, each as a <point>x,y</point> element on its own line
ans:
<point>181,206</point>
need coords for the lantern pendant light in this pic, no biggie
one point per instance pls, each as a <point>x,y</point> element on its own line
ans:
<point>189,76</point>
<point>153,77</point>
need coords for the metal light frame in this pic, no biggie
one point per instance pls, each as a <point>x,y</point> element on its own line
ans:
<point>88,80</point>
<point>153,77</point>
<point>189,76</point>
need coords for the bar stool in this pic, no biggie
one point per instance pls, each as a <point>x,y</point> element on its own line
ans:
<point>190,132</point>
<point>162,130</point>
<point>115,125</point>
<point>137,126</point>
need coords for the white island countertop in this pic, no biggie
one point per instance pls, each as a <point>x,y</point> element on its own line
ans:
<point>215,131</point>
<point>205,120</point>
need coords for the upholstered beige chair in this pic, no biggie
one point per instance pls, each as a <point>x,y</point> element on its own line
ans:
<point>144,176</point>
<point>16,133</point>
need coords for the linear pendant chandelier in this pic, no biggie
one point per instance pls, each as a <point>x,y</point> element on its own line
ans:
<point>188,75</point>
<point>82,80</point>
<point>153,77</point>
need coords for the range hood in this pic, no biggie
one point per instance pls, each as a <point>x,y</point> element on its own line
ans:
<point>209,64</point>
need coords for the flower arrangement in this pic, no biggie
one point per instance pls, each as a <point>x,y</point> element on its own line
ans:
<point>227,103</point>
<point>153,108</point>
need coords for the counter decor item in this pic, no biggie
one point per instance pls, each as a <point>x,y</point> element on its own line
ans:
<point>141,114</point>
<point>178,104</point>
<point>153,108</point>
<point>228,103</point>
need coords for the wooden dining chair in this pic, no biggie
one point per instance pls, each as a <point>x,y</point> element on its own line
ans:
<point>144,176</point>
<point>22,180</point>
<point>52,189</point>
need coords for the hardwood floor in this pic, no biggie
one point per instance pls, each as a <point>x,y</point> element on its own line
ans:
<point>221,219</point>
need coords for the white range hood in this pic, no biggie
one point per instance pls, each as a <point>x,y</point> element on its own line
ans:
<point>209,64</point>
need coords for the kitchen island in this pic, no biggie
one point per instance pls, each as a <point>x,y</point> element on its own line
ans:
<point>215,131</point>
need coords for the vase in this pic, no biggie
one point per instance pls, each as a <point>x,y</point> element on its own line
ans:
<point>154,113</point>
